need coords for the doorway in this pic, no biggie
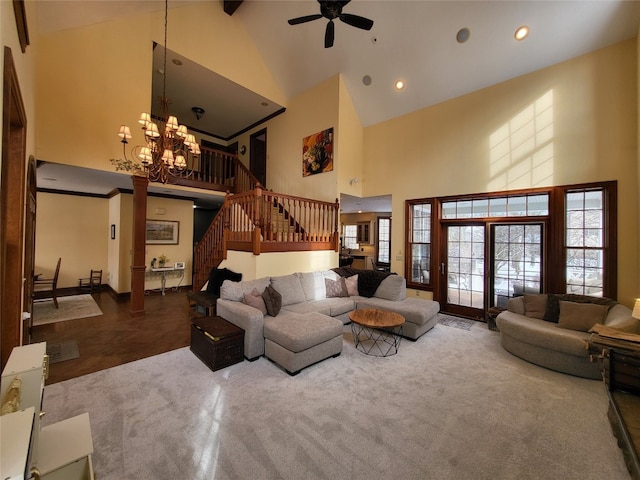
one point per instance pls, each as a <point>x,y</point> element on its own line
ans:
<point>12,179</point>
<point>258,156</point>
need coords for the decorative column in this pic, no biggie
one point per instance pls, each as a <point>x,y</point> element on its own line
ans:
<point>138,266</point>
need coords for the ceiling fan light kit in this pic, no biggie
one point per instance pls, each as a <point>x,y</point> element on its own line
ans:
<point>332,9</point>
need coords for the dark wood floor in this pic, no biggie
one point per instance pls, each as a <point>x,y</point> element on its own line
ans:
<point>115,338</point>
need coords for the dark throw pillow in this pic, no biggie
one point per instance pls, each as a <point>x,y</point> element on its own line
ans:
<point>272,300</point>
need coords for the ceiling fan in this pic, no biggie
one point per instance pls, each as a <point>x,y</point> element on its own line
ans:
<point>332,9</point>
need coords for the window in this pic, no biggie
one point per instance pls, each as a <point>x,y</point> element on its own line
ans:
<point>384,240</point>
<point>584,241</point>
<point>349,237</point>
<point>419,245</point>
<point>556,239</point>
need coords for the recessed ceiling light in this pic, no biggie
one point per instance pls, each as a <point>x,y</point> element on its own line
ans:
<point>399,85</point>
<point>521,33</point>
<point>176,62</point>
<point>463,35</point>
<point>264,104</point>
<point>366,80</point>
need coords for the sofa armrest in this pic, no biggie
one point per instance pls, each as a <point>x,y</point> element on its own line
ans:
<point>247,318</point>
<point>620,318</point>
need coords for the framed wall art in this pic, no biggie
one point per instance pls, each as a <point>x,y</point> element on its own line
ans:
<point>162,232</point>
<point>317,153</point>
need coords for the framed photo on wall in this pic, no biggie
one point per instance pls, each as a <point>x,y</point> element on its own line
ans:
<point>162,232</point>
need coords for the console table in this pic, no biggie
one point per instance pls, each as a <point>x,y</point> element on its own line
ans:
<point>162,273</point>
<point>619,354</point>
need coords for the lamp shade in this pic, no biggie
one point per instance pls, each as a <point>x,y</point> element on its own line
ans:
<point>144,119</point>
<point>636,309</point>
<point>124,132</point>
<point>172,123</point>
<point>152,130</point>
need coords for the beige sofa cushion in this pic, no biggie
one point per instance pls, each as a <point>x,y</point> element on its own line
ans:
<point>394,287</point>
<point>581,316</point>
<point>290,288</point>
<point>535,304</point>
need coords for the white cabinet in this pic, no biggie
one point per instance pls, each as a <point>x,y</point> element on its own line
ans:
<point>61,451</point>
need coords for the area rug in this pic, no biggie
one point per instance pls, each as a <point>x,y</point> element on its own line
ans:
<point>63,351</point>
<point>70,308</point>
<point>451,405</point>
<point>456,322</point>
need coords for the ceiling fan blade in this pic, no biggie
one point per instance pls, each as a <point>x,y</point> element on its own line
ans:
<point>329,34</point>
<point>356,21</point>
<point>306,18</point>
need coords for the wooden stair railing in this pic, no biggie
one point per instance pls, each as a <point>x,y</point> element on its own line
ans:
<point>261,221</point>
<point>220,171</point>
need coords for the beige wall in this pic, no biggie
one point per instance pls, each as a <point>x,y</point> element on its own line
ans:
<point>570,123</point>
<point>93,79</point>
<point>311,112</point>
<point>182,211</point>
<point>74,228</point>
<point>281,263</point>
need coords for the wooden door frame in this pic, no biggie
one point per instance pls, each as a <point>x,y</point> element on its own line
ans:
<point>253,139</point>
<point>12,184</point>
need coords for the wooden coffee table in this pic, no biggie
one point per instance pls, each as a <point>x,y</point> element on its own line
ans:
<point>376,332</point>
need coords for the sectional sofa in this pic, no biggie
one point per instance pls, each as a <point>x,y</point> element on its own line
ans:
<point>552,330</point>
<point>297,320</point>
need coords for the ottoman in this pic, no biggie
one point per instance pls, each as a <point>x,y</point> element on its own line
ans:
<point>296,341</point>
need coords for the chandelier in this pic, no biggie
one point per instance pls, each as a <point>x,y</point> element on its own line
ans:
<point>169,148</point>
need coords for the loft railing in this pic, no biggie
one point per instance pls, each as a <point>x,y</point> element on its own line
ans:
<point>260,221</point>
<point>219,171</point>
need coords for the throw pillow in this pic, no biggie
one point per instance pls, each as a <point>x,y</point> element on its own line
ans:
<point>336,288</point>
<point>535,305</point>
<point>352,285</point>
<point>552,311</point>
<point>581,316</point>
<point>272,300</point>
<point>255,300</point>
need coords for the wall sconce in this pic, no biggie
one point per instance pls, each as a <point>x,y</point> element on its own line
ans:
<point>243,150</point>
<point>354,180</point>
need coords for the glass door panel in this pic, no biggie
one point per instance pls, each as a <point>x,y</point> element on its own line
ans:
<point>517,261</point>
<point>465,247</point>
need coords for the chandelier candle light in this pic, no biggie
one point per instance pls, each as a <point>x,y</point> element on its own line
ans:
<point>165,154</point>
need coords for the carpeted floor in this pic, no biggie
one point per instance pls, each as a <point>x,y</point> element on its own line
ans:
<point>452,405</point>
<point>69,308</point>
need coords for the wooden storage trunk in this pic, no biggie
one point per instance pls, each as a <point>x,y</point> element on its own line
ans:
<point>216,342</point>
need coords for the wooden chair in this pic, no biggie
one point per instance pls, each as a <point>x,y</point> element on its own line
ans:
<point>378,267</point>
<point>44,288</point>
<point>91,283</point>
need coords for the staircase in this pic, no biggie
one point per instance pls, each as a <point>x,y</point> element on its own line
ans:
<point>260,221</point>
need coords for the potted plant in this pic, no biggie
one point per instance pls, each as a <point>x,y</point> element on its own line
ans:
<point>162,259</point>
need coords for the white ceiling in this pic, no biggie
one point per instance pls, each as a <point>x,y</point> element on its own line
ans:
<point>410,40</point>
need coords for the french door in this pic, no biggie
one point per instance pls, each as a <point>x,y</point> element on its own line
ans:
<point>462,270</point>
<point>486,263</point>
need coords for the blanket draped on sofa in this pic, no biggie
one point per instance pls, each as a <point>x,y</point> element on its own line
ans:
<point>368,280</point>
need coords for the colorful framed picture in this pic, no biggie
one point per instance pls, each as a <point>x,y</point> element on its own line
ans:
<point>162,232</point>
<point>317,153</point>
